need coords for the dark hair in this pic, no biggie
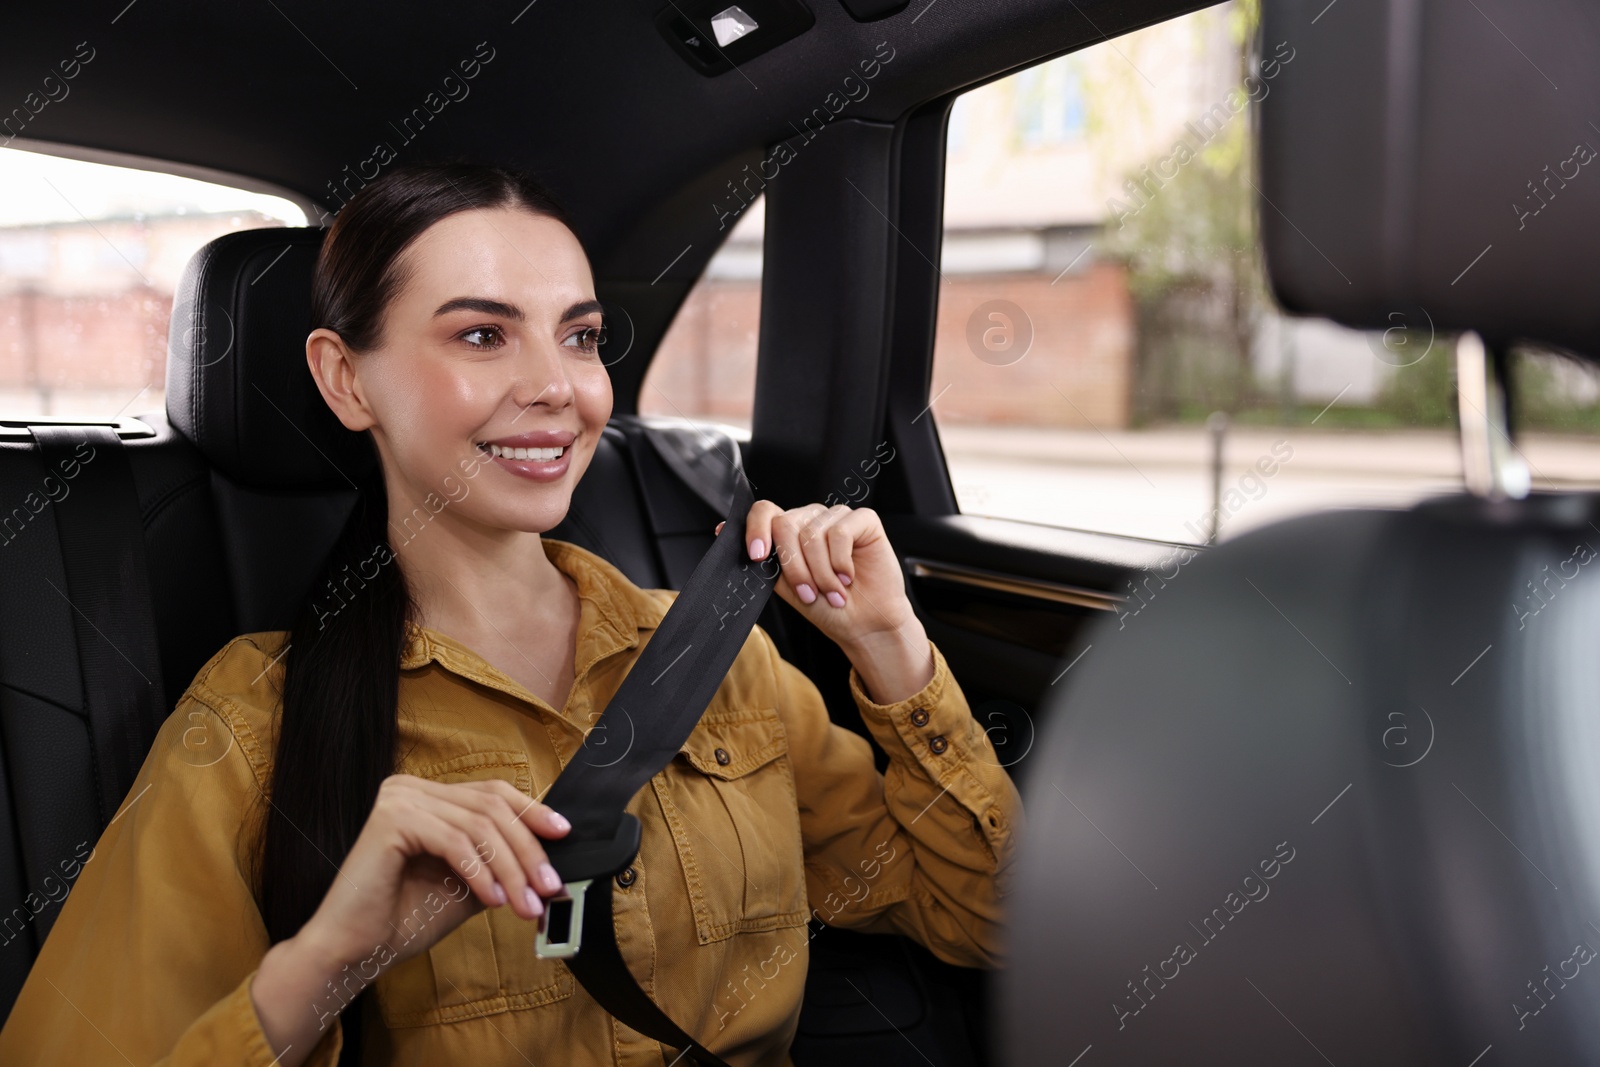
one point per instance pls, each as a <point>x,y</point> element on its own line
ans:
<point>338,732</point>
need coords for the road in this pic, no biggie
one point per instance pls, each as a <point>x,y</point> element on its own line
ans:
<point>1157,483</point>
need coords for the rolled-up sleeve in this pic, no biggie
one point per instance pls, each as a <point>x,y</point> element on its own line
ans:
<point>152,956</point>
<point>926,848</point>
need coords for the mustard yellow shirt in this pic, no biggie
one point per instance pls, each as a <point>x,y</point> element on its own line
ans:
<point>769,815</point>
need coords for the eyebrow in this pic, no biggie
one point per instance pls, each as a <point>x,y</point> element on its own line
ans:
<point>581,308</point>
<point>511,311</point>
<point>482,304</point>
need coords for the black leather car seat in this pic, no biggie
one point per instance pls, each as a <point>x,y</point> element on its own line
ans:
<point>1337,800</point>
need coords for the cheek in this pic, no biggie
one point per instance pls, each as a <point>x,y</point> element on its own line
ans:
<point>593,383</point>
<point>592,398</point>
<point>591,388</point>
<point>435,400</point>
<point>427,412</point>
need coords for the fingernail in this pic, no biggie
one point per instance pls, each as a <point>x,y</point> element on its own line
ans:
<point>548,875</point>
<point>497,893</point>
<point>531,899</point>
<point>559,821</point>
<point>844,579</point>
<point>758,548</point>
<point>805,592</point>
<point>836,598</point>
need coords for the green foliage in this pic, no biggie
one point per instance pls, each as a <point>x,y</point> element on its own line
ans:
<point>1184,222</point>
<point>1196,277</point>
<point>1423,394</point>
<point>1548,395</point>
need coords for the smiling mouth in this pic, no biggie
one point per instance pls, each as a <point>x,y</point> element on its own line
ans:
<point>536,455</point>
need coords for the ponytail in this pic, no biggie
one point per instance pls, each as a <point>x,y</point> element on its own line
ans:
<point>338,729</point>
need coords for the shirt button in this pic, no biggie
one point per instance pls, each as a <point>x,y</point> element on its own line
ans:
<point>626,877</point>
<point>919,717</point>
<point>723,757</point>
<point>938,745</point>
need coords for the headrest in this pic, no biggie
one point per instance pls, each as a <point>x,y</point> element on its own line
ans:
<point>1432,161</point>
<point>237,381</point>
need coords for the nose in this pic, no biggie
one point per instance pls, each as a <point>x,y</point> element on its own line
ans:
<point>542,378</point>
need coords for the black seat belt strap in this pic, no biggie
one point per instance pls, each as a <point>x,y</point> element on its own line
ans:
<point>103,556</point>
<point>657,707</point>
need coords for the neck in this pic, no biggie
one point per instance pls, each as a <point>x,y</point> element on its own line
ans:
<point>470,580</point>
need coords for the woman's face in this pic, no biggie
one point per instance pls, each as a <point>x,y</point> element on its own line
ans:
<point>488,347</point>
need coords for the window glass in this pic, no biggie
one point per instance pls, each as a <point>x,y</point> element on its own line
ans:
<point>705,366</point>
<point>89,258</point>
<point>1104,325</point>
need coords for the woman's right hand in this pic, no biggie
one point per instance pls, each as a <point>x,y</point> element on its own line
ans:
<point>430,856</point>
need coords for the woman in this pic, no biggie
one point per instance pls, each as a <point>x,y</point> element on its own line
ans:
<point>405,725</point>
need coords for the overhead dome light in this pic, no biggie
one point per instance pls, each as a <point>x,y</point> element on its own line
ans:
<point>715,36</point>
<point>730,24</point>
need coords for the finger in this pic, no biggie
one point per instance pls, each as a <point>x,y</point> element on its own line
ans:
<point>540,818</point>
<point>856,528</point>
<point>817,546</point>
<point>454,845</point>
<point>758,536</point>
<point>473,812</point>
<point>520,818</point>
<point>786,534</point>
<point>494,850</point>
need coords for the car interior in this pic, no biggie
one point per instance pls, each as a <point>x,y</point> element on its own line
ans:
<point>1198,743</point>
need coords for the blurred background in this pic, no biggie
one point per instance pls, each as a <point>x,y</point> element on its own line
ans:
<point>1103,323</point>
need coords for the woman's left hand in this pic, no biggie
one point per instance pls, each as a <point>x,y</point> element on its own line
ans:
<point>838,570</point>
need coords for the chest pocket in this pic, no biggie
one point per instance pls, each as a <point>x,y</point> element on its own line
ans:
<point>729,799</point>
<point>487,964</point>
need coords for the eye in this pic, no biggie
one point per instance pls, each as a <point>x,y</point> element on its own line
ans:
<point>588,339</point>
<point>482,337</point>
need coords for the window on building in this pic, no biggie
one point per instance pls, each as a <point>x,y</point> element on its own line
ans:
<point>705,366</point>
<point>1049,104</point>
<point>90,255</point>
<point>1104,327</point>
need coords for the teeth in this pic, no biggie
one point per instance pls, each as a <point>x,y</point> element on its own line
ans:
<point>538,455</point>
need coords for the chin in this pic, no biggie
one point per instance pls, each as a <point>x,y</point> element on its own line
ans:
<point>540,518</point>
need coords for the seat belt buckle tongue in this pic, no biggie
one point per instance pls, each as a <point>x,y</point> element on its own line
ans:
<point>562,935</point>
<point>563,924</point>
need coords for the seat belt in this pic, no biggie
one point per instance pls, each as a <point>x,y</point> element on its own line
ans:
<point>662,699</point>
<point>108,589</point>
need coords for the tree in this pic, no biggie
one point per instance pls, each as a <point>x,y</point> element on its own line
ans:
<point>1185,224</point>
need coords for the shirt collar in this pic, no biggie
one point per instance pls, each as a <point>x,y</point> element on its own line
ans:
<point>612,611</point>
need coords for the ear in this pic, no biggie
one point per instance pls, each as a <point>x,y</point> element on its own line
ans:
<point>333,369</point>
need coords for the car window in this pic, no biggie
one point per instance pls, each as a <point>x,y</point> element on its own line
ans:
<point>90,256</point>
<point>705,365</point>
<point>1104,325</point>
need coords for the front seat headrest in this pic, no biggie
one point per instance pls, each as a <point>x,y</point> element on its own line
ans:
<point>237,381</point>
<point>1424,161</point>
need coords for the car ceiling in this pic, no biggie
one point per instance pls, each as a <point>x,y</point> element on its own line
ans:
<point>634,141</point>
